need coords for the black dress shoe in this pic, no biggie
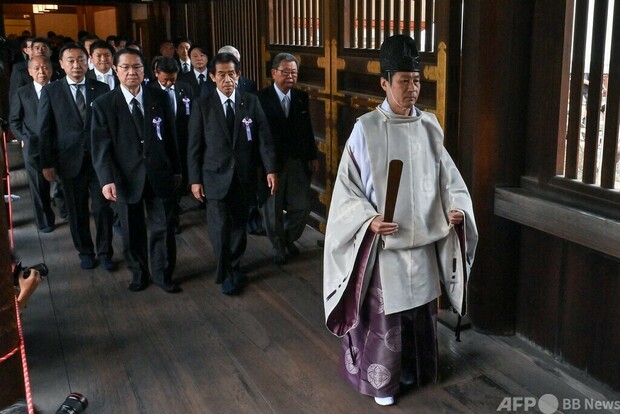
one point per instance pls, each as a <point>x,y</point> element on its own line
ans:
<point>108,264</point>
<point>87,262</point>
<point>137,287</point>
<point>229,287</point>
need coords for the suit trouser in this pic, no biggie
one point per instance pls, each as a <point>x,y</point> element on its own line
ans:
<point>39,192</point>
<point>77,191</point>
<point>226,220</point>
<point>293,195</point>
<point>159,249</point>
<point>58,196</point>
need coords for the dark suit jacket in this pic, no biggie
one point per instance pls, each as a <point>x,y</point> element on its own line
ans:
<point>63,136</point>
<point>118,155</point>
<point>190,78</point>
<point>293,136</point>
<point>23,120</point>
<point>184,97</point>
<point>91,75</point>
<point>213,156</point>
<point>246,85</point>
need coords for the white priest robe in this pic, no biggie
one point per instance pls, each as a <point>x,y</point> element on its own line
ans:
<point>425,250</point>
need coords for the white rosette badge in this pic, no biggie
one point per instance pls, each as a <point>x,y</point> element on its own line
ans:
<point>248,132</point>
<point>157,124</point>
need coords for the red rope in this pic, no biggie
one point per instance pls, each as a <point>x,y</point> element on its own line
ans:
<point>9,355</point>
<point>22,348</point>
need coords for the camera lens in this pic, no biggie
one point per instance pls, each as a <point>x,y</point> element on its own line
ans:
<point>74,404</point>
<point>42,268</point>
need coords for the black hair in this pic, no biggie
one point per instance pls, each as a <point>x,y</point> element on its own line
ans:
<point>223,58</point>
<point>71,46</point>
<point>101,44</point>
<point>88,37</point>
<point>165,64</point>
<point>201,48</point>
<point>133,42</point>
<point>180,40</point>
<point>129,51</point>
<point>40,39</point>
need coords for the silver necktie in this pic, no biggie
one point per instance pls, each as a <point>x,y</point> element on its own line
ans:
<point>286,104</point>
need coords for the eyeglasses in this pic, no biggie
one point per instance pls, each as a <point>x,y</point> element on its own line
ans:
<point>288,73</point>
<point>136,68</point>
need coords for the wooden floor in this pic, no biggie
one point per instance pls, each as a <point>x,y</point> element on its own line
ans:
<point>266,351</point>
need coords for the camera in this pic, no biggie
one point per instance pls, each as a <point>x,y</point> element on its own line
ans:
<point>75,403</point>
<point>41,267</point>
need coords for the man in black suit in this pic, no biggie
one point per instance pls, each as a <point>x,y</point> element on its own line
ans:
<point>255,222</point>
<point>23,121</point>
<point>19,73</point>
<point>136,158</point>
<point>102,55</point>
<point>288,114</point>
<point>39,46</point>
<point>198,77</point>
<point>181,48</point>
<point>181,96</point>
<point>227,128</point>
<point>65,148</point>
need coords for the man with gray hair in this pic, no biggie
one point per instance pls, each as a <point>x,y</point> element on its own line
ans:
<point>288,114</point>
<point>23,120</point>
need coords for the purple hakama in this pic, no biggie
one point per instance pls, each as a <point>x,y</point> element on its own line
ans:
<point>381,347</point>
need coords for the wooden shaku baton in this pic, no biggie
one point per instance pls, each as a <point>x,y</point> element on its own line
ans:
<point>395,170</point>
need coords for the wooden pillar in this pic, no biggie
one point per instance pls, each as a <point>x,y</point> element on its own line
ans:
<point>124,23</point>
<point>493,107</point>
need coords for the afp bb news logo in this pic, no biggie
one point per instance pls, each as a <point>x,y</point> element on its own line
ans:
<point>550,404</point>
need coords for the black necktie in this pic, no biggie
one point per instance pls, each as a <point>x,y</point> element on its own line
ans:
<point>138,117</point>
<point>230,117</point>
<point>202,85</point>
<point>185,67</point>
<point>80,101</point>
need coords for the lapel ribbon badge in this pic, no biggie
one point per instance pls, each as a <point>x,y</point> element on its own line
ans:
<point>248,132</point>
<point>157,124</point>
<point>186,102</point>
